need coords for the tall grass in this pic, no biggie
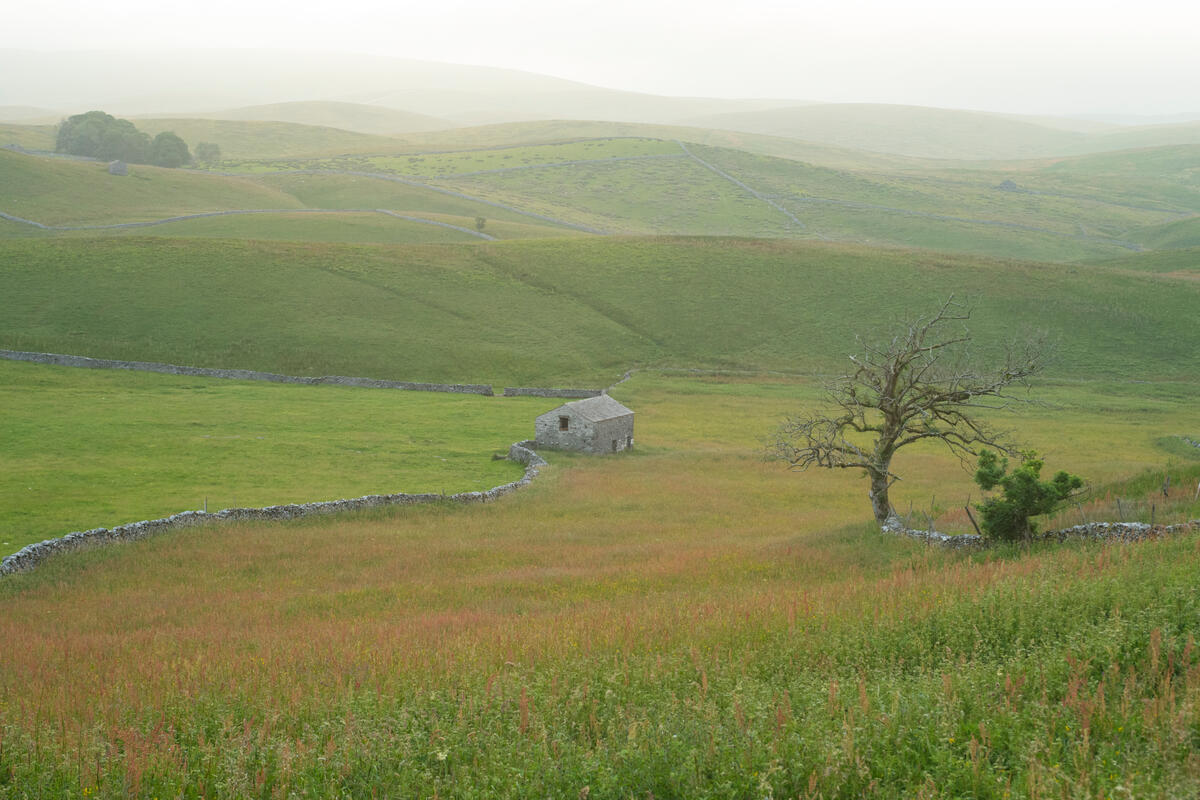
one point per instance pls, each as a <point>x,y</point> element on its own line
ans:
<point>684,620</point>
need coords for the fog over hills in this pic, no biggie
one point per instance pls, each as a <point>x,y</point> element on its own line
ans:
<point>379,95</point>
<point>187,81</point>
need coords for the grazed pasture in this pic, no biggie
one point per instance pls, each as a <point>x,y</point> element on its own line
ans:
<point>685,620</point>
<point>91,448</point>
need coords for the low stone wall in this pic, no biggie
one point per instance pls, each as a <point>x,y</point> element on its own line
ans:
<point>566,394</point>
<point>32,555</point>
<point>1112,531</point>
<point>241,374</point>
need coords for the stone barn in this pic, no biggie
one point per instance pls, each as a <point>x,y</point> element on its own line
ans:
<point>593,425</point>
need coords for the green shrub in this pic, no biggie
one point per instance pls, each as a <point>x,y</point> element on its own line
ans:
<point>1024,494</point>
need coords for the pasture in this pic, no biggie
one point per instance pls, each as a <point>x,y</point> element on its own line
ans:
<point>686,619</point>
<point>566,311</point>
<point>97,448</point>
<point>1066,209</point>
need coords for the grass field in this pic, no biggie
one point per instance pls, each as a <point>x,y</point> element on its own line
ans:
<point>267,139</point>
<point>685,620</point>
<point>325,226</point>
<point>55,192</point>
<point>92,448</point>
<point>561,311</point>
<point>1084,208</point>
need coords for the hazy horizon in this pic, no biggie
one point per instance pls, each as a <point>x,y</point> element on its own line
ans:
<point>1050,58</point>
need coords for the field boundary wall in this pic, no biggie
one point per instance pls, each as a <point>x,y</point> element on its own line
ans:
<point>569,394</point>
<point>242,374</point>
<point>30,556</point>
<point>1110,531</point>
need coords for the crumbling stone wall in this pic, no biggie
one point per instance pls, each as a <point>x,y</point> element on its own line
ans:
<point>32,555</point>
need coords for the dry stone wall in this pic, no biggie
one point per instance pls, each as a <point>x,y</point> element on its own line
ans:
<point>32,555</point>
<point>1110,531</point>
<point>565,394</point>
<point>241,374</point>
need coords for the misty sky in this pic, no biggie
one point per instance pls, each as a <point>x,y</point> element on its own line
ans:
<point>1016,56</point>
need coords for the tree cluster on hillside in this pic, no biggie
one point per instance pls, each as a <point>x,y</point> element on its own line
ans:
<point>100,135</point>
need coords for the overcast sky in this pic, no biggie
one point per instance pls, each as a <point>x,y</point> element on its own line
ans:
<point>1051,56</point>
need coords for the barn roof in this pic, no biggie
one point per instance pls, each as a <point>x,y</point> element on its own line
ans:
<point>596,409</point>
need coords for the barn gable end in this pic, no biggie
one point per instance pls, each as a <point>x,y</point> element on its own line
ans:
<point>593,425</point>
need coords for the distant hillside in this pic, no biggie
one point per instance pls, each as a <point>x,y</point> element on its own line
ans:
<point>31,137</point>
<point>577,310</point>
<point>1063,210</point>
<point>30,115</point>
<point>356,117</point>
<point>254,139</point>
<point>181,82</point>
<point>62,192</point>
<point>943,133</point>
<point>1147,136</point>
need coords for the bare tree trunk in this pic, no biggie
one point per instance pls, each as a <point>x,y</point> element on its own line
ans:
<point>879,497</point>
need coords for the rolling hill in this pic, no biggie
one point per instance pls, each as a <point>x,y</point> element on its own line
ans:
<point>571,310</point>
<point>942,133</point>
<point>355,117</point>
<point>1089,207</point>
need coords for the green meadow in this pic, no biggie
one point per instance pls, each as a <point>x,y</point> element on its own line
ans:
<point>683,620</point>
<point>564,311</point>
<point>1067,209</point>
<point>686,620</point>
<point>97,448</point>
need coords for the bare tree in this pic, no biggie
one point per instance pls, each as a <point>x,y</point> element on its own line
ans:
<point>919,385</point>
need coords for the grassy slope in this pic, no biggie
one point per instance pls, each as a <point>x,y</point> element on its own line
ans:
<point>56,192</point>
<point>253,139</point>
<point>355,117</point>
<point>32,137</point>
<point>1182,234</point>
<point>355,191</point>
<point>1066,210</point>
<point>674,196</point>
<point>905,130</point>
<point>310,227</point>
<point>940,133</point>
<point>684,619</point>
<point>548,131</point>
<point>1181,262</point>
<point>89,448</point>
<point>553,311</point>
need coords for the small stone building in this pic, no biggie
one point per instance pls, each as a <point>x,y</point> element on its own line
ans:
<point>118,168</point>
<point>593,425</point>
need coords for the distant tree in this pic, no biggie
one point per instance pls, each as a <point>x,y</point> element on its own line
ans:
<point>100,135</point>
<point>918,386</point>
<point>207,152</point>
<point>168,150</point>
<point>1024,494</point>
<point>480,222</point>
